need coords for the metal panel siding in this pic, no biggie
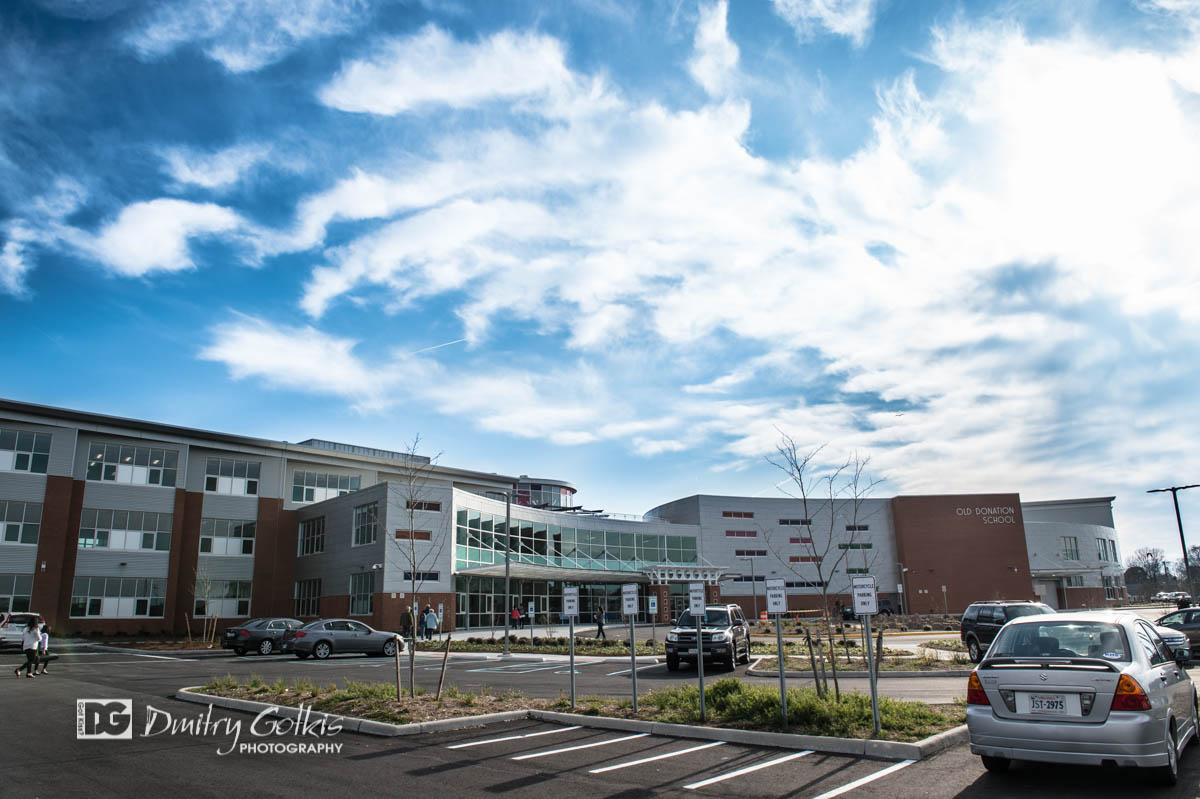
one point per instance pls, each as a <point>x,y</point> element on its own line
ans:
<point>107,563</point>
<point>437,554</point>
<point>17,559</point>
<point>339,560</point>
<point>222,567</point>
<point>270,479</point>
<point>22,486</point>
<point>62,443</point>
<point>223,506</point>
<point>129,497</point>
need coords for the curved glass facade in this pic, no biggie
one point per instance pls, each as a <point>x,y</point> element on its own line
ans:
<point>479,541</point>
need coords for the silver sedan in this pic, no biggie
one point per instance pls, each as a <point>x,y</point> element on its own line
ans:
<point>339,636</point>
<point>1082,688</point>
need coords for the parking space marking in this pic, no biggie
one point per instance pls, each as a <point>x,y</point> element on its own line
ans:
<point>850,786</point>
<point>626,671</point>
<point>746,770</point>
<point>656,757</point>
<point>581,746</point>
<point>520,668</point>
<point>513,737</point>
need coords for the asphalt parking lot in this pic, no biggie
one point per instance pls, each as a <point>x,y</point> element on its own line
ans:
<point>41,756</point>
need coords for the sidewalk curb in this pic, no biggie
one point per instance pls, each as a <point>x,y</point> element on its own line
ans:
<point>882,750</point>
<point>883,675</point>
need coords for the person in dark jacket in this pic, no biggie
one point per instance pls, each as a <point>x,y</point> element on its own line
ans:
<point>598,617</point>
<point>31,641</point>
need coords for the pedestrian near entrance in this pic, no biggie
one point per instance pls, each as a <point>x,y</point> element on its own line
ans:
<point>31,640</point>
<point>431,622</point>
<point>406,624</point>
<point>516,617</point>
<point>598,617</point>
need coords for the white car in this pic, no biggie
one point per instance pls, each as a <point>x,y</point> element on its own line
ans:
<point>12,627</point>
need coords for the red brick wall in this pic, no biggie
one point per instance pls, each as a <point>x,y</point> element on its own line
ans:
<point>274,559</point>
<point>946,540</point>
<point>663,592</point>
<point>57,546</point>
<point>181,566</point>
<point>1078,598</point>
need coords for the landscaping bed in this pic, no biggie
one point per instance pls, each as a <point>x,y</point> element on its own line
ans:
<point>730,703</point>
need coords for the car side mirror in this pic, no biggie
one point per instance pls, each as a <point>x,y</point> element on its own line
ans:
<point>1182,655</point>
<point>674,621</point>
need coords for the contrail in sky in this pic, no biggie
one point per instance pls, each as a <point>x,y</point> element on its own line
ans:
<point>438,346</point>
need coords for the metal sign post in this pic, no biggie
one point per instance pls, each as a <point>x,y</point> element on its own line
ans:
<point>696,608</point>
<point>531,621</point>
<point>777,604</point>
<point>629,606</point>
<point>571,609</point>
<point>866,605</point>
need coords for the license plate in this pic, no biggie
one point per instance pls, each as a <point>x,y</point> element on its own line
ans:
<point>689,651</point>
<point>1048,704</point>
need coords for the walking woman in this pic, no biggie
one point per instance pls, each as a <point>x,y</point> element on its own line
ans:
<point>31,640</point>
<point>44,656</point>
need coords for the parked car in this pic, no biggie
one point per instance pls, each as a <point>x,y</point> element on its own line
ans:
<point>726,637</point>
<point>1161,596</point>
<point>327,637</point>
<point>259,635</point>
<point>982,620</point>
<point>1184,621</point>
<point>12,627</point>
<point>1092,688</point>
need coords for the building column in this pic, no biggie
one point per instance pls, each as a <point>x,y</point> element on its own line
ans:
<point>58,543</point>
<point>663,592</point>
<point>712,594</point>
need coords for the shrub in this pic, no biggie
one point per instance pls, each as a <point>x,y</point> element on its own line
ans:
<point>928,628</point>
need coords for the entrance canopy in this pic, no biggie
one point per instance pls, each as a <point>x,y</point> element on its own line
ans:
<point>653,575</point>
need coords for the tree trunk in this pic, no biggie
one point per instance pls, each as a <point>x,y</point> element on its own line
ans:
<point>837,692</point>
<point>812,659</point>
<point>442,678</point>
<point>399,643</point>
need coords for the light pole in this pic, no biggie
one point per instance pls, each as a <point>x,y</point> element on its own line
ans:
<point>753,587</point>
<point>1187,567</point>
<point>903,588</point>
<point>507,549</point>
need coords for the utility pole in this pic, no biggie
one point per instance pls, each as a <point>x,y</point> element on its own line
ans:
<point>1187,567</point>
<point>507,550</point>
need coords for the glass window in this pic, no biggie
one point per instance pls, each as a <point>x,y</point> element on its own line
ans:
<point>24,451</point>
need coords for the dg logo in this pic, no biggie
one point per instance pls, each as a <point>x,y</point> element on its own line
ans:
<point>104,719</point>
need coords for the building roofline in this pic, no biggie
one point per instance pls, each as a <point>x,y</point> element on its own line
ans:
<point>100,420</point>
<point>1045,502</point>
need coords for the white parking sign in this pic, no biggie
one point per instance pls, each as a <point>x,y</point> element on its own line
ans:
<point>570,600</point>
<point>776,596</point>
<point>866,602</point>
<point>629,597</point>
<point>696,599</point>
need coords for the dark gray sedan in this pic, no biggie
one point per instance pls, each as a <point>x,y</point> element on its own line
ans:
<point>263,636</point>
<point>1186,621</point>
<point>341,636</point>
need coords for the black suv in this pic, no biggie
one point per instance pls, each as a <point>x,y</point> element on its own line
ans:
<point>726,637</point>
<point>982,620</point>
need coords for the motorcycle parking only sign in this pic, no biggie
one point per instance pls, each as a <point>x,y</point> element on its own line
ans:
<point>866,601</point>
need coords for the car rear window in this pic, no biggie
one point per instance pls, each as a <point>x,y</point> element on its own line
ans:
<point>1016,611</point>
<point>1066,639</point>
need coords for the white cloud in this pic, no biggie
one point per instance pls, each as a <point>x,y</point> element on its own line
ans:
<point>850,18</point>
<point>243,37</point>
<point>298,358</point>
<point>14,260</point>
<point>432,68</point>
<point>716,56</point>
<point>154,235</point>
<point>216,170</point>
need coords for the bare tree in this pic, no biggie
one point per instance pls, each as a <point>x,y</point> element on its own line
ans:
<point>412,491</point>
<point>204,589</point>
<point>834,498</point>
<point>1153,562</point>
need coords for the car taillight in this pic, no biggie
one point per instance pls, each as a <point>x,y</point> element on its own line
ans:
<point>975,692</point>
<point>300,634</point>
<point>244,633</point>
<point>1129,695</point>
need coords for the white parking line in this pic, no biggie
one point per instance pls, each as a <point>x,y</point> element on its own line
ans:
<point>512,737</point>
<point>747,770</point>
<point>656,757</point>
<point>115,662</point>
<point>626,671</point>
<point>581,746</point>
<point>863,781</point>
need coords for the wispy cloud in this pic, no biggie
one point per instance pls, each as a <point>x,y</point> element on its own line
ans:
<point>216,170</point>
<point>850,18</point>
<point>716,56</point>
<point>153,236</point>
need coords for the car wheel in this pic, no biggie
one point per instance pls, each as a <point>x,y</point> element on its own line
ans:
<point>322,650</point>
<point>1169,774</point>
<point>973,650</point>
<point>389,648</point>
<point>266,647</point>
<point>672,664</point>
<point>996,765</point>
<point>746,655</point>
<point>239,650</point>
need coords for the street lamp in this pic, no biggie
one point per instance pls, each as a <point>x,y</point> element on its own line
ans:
<point>1187,567</point>
<point>903,588</point>
<point>507,550</point>
<point>753,585</point>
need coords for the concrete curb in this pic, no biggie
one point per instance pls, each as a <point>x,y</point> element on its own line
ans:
<point>882,750</point>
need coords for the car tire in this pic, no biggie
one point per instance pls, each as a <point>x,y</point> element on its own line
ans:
<point>996,765</point>
<point>266,647</point>
<point>745,658</point>
<point>389,648</point>
<point>672,663</point>
<point>239,650</point>
<point>322,650</point>
<point>1168,775</point>
<point>974,651</point>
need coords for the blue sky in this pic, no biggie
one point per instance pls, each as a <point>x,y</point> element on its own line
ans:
<point>623,244</point>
